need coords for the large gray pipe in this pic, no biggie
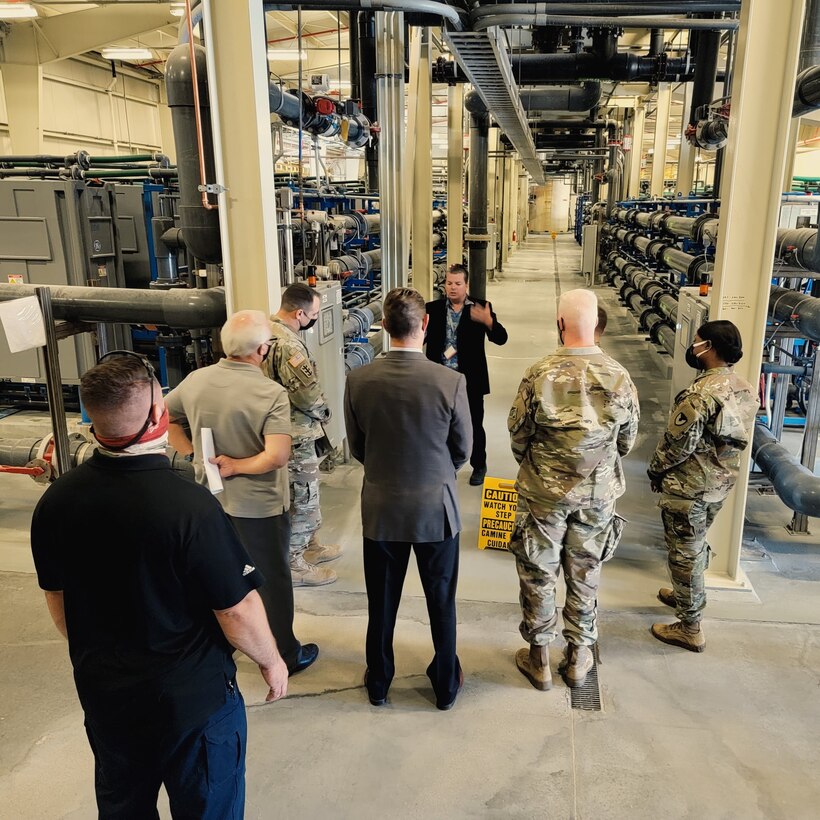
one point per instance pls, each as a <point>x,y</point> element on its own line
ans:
<point>477,225</point>
<point>555,98</point>
<point>200,226</point>
<point>798,309</point>
<point>172,308</point>
<point>800,245</point>
<point>796,485</point>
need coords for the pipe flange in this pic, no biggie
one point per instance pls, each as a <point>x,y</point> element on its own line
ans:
<point>644,317</point>
<point>47,475</point>
<point>699,267</point>
<point>631,216</point>
<point>658,219</point>
<point>699,224</point>
<point>361,223</point>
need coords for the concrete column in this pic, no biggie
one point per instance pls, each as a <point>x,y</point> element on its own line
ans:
<point>23,88</point>
<point>753,173</point>
<point>508,216</point>
<point>661,135</point>
<point>791,154</point>
<point>238,72</point>
<point>634,184</point>
<point>455,174</point>
<point>688,152</point>
<point>422,209</point>
<point>523,206</point>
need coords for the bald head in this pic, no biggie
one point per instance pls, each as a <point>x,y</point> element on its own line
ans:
<point>244,332</point>
<point>577,317</point>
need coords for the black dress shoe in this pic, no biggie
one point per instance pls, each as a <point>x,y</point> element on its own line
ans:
<point>307,655</point>
<point>447,706</point>
<point>477,478</point>
<point>373,701</point>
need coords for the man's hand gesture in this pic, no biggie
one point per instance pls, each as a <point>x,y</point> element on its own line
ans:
<point>482,314</point>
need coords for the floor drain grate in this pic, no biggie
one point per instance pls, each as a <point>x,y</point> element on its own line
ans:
<point>588,696</point>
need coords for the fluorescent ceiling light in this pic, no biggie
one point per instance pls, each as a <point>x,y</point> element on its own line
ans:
<point>17,11</point>
<point>177,9</point>
<point>127,54</point>
<point>286,54</point>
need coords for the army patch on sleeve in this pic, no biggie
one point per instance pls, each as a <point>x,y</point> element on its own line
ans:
<point>296,359</point>
<point>683,417</point>
<point>305,373</point>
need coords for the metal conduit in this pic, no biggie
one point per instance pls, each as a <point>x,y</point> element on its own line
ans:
<point>797,487</point>
<point>189,308</point>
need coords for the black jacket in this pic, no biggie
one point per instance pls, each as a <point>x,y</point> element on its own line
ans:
<point>472,361</point>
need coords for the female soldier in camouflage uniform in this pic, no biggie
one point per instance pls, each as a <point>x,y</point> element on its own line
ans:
<point>695,466</point>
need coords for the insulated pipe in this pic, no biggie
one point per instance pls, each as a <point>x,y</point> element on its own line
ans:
<point>531,69</point>
<point>575,98</point>
<point>800,244</point>
<point>190,308</point>
<point>706,60</point>
<point>517,14</point>
<point>367,83</point>
<point>797,487</point>
<point>200,226</point>
<point>798,309</point>
<point>476,235</point>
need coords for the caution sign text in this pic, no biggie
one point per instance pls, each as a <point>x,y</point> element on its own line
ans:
<point>499,500</point>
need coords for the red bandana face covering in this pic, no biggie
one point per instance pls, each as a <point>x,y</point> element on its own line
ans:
<point>150,432</point>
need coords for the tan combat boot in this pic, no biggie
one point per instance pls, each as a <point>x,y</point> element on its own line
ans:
<point>304,574</point>
<point>534,665</point>
<point>686,636</point>
<point>317,553</point>
<point>577,662</point>
<point>667,596</point>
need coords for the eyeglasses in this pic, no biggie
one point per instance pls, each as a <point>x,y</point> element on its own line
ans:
<point>150,375</point>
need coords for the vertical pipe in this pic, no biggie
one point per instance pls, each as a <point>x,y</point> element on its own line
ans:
<point>455,174</point>
<point>661,136</point>
<point>808,454</point>
<point>389,40</point>
<point>368,90</point>
<point>422,212</point>
<point>477,225</point>
<point>54,385</point>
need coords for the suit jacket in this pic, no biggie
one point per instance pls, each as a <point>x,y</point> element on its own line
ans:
<point>408,423</point>
<point>472,361</point>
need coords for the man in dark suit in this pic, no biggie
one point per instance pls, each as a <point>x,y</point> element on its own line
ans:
<point>456,340</point>
<point>408,423</point>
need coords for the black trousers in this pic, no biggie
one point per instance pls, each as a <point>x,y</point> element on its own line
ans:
<point>385,565</point>
<point>478,459</point>
<point>267,541</point>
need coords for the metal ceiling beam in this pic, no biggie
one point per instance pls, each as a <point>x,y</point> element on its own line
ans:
<point>66,35</point>
<point>483,57</point>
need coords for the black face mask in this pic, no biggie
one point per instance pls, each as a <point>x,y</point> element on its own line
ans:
<point>309,325</point>
<point>691,357</point>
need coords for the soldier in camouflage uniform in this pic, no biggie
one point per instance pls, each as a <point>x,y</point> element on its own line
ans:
<point>695,466</point>
<point>574,418</point>
<point>290,365</point>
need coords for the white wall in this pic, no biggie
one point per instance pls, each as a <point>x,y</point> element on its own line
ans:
<point>82,109</point>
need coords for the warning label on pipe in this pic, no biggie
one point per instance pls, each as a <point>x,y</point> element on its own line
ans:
<point>499,500</point>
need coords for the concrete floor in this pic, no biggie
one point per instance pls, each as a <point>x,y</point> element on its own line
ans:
<point>730,733</point>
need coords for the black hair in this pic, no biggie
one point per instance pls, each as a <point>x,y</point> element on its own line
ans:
<point>725,339</point>
<point>299,296</point>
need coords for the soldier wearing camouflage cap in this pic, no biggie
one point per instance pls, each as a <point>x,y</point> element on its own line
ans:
<point>290,365</point>
<point>574,418</point>
<point>695,466</point>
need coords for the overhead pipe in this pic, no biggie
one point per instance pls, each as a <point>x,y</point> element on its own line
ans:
<point>423,7</point>
<point>797,309</point>
<point>190,308</point>
<point>582,97</point>
<point>797,487</point>
<point>532,14</point>
<point>366,59</point>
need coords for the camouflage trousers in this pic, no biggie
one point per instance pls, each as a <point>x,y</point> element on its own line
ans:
<point>576,540</point>
<point>685,522</point>
<point>305,513</point>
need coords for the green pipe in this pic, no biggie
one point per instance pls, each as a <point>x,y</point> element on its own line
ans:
<point>806,179</point>
<point>123,158</point>
<point>145,173</point>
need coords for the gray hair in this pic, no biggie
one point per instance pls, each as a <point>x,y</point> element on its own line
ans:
<point>579,310</point>
<point>244,331</point>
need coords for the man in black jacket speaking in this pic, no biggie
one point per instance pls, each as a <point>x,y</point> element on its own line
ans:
<point>456,331</point>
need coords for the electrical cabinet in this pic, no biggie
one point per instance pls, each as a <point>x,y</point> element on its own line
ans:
<point>325,343</point>
<point>589,252</point>
<point>693,311</point>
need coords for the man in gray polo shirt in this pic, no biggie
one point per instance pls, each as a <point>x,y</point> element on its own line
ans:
<point>250,418</point>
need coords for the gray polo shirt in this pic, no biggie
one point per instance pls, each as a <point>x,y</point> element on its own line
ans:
<point>241,405</point>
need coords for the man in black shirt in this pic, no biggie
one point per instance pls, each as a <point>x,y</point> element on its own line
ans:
<point>147,579</point>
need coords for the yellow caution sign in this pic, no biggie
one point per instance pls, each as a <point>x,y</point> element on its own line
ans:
<point>499,500</point>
